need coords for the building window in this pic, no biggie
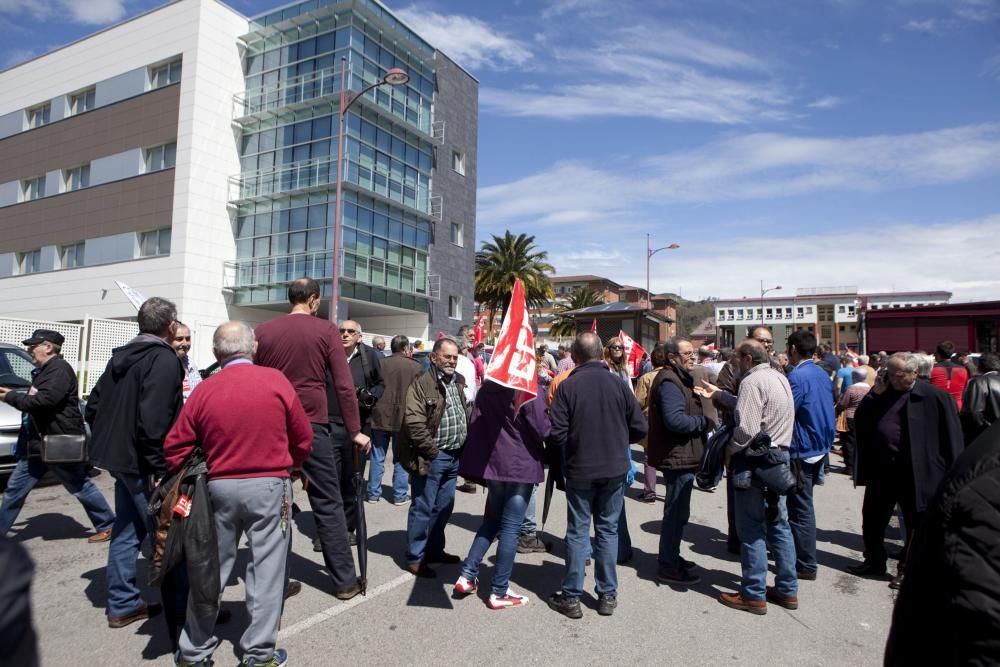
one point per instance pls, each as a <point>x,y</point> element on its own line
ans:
<point>72,256</point>
<point>800,311</point>
<point>770,313</point>
<point>78,177</point>
<point>154,243</point>
<point>161,157</point>
<point>34,188</point>
<point>455,307</point>
<point>39,115</point>
<point>851,311</point>
<point>30,262</point>
<point>82,101</point>
<point>458,233</point>
<point>458,162</point>
<point>164,75</point>
<point>809,310</point>
<point>788,313</point>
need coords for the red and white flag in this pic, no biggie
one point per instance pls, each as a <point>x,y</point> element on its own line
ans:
<point>593,326</point>
<point>513,363</point>
<point>633,354</point>
<point>477,331</point>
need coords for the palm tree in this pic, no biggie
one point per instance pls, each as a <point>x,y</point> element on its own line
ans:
<point>508,257</point>
<point>565,326</point>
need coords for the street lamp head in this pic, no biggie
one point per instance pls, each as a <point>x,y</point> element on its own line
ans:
<point>396,77</point>
<point>778,287</point>
<point>673,246</point>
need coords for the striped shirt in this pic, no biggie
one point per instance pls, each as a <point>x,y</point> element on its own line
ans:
<point>453,428</point>
<point>764,403</point>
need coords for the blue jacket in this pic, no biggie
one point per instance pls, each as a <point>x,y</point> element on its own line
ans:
<point>815,424</point>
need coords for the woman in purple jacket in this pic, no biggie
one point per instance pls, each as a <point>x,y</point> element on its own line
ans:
<point>504,451</point>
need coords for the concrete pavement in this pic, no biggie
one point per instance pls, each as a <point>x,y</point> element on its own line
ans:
<point>842,620</point>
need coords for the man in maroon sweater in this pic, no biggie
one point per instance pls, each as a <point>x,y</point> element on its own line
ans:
<point>306,348</point>
<point>252,429</point>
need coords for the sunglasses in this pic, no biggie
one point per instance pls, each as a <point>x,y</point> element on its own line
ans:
<point>615,347</point>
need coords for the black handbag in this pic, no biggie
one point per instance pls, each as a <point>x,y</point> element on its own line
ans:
<point>766,465</point>
<point>64,448</point>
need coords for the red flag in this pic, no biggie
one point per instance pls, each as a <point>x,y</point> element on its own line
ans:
<point>593,326</point>
<point>477,331</point>
<point>633,354</point>
<point>513,363</point>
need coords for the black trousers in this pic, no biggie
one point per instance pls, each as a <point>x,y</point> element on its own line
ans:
<point>343,451</point>
<point>887,488</point>
<point>323,474</point>
<point>847,443</point>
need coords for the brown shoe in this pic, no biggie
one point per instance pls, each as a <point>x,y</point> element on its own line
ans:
<point>144,611</point>
<point>293,588</point>
<point>102,536</point>
<point>790,602</point>
<point>348,593</point>
<point>736,601</point>
<point>421,570</point>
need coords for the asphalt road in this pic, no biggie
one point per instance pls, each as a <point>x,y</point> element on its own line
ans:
<point>842,620</point>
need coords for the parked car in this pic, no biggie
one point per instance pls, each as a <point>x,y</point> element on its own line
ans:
<point>15,373</point>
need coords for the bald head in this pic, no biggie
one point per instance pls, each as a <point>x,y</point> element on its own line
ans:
<point>233,339</point>
<point>753,351</point>
<point>587,347</point>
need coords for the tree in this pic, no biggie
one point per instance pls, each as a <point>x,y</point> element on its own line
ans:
<point>565,326</point>
<point>508,257</point>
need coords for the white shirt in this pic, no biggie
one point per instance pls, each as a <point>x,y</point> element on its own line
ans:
<point>467,370</point>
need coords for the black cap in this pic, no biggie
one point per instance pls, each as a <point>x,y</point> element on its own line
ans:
<point>44,336</point>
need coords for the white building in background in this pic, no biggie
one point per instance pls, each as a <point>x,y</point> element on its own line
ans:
<point>830,313</point>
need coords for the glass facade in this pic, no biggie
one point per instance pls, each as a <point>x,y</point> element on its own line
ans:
<point>286,194</point>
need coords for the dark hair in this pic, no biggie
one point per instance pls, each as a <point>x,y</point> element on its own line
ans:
<point>155,316</point>
<point>462,329</point>
<point>300,290</point>
<point>804,343</point>
<point>756,351</point>
<point>945,349</point>
<point>441,341</point>
<point>673,344</point>
<point>586,347</point>
<point>658,357</point>
<point>398,344</point>
<point>989,361</point>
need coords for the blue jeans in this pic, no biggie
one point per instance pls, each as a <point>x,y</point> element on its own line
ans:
<point>73,477</point>
<point>802,516</point>
<point>601,499</point>
<point>132,524</point>
<point>506,502</point>
<point>676,512</point>
<point>756,534</point>
<point>433,500</point>
<point>530,524</point>
<point>400,478</point>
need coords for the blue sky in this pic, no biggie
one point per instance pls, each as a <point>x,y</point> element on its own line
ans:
<point>804,142</point>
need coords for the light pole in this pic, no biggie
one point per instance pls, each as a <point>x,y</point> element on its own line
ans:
<point>762,293</point>
<point>393,77</point>
<point>649,255</point>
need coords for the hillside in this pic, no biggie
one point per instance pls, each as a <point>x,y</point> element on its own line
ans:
<point>691,313</point>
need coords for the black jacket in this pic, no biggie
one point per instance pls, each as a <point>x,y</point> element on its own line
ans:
<point>18,640</point>
<point>372,381</point>
<point>594,418</point>
<point>133,406</point>
<point>948,611</point>
<point>980,404</point>
<point>677,424</point>
<point>54,406</point>
<point>934,433</point>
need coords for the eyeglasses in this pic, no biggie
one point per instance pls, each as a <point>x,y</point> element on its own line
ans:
<point>349,331</point>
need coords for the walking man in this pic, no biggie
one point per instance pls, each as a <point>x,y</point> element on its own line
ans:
<point>130,410</point>
<point>307,349</point>
<point>398,371</point>
<point>594,417</point>
<point>51,407</point>
<point>252,429</point>
<point>435,425</point>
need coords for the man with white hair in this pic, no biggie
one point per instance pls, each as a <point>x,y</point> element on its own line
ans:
<point>253,430</point>
<point>908,437</point>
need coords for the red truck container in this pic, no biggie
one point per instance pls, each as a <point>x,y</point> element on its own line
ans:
<point>970,326</point>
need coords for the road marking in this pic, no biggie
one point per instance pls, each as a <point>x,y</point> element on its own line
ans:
<point>338,609</point>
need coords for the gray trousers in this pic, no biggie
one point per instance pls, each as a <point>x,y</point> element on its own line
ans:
<point>254,507</point>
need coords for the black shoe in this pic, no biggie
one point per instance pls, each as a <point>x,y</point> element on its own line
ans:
<point>443,558</point>
<point>468,487</point>
<point>317,545</point>
<point>531,544</point>
<point>677,577</point>
<point>867,569</point>
<point>687,565</point>
<point>292,589</point>
<point>606,605</point>
<point>896,583</point>
<point>421,570</point>
<point>806,575</point>
<point>568,607</point>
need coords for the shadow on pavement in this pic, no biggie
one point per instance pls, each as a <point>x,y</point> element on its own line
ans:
<point>52,527</point>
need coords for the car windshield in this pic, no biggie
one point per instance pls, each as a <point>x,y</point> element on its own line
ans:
<point>15,367</point>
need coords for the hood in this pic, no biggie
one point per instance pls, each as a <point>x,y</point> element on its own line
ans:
<point>124,357</point>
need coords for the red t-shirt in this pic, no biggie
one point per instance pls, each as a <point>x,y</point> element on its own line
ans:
<point>952,378</point>
<point>304,348</point>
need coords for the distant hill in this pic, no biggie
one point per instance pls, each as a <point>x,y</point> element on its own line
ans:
<point>691,313</point>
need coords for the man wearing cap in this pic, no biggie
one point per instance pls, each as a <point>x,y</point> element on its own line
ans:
<point>50,407</point>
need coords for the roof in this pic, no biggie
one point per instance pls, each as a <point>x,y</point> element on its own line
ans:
<point>970,309</point>
<point>705,328</point>
<point>619,308</point>
<point>830,297</point>
<point>586,278</point>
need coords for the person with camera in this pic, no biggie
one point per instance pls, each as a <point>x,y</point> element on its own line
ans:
<point>50,407</point>
<point>366,373</point>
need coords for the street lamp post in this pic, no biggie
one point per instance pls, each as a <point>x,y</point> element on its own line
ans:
<point>762,293</point>
<point>393,77</point>
<point>649,255</point>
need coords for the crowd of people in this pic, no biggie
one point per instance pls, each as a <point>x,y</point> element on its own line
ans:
<point>302,398</point>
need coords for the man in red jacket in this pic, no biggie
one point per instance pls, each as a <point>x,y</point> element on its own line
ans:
<point>252,429</point>
<point>947,374</point>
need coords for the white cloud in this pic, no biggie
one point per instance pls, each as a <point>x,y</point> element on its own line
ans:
<point>466,40</point>
<point>828,102</point>
<point>561,7</point>
<point>928,26</point>
<point>88,12</point>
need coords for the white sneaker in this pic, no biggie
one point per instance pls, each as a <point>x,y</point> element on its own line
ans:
<point>465,587</point>
<point>509,599</point>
